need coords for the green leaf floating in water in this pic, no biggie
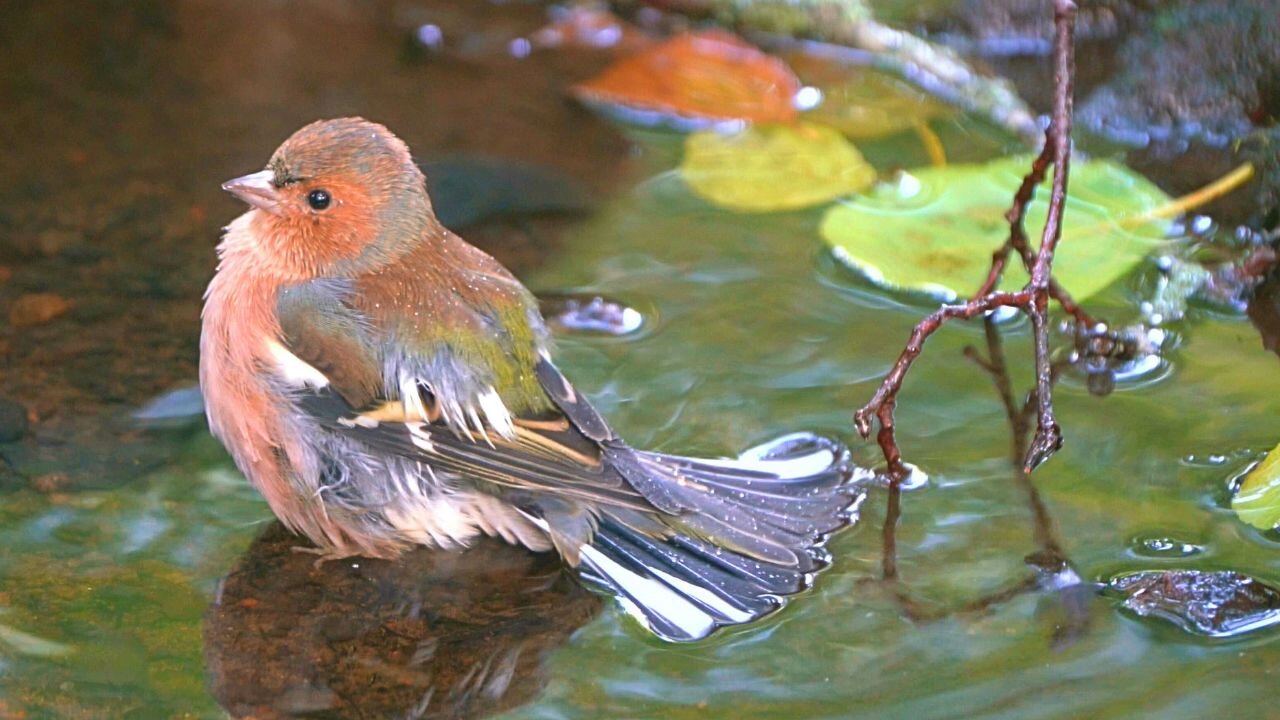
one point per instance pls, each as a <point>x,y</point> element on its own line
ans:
<point>768,168</point>
<point>934,231</point>
<point>1257,502</point>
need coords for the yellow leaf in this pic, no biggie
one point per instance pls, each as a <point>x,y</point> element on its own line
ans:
<point>774,167</point>
<point>1257,502</point>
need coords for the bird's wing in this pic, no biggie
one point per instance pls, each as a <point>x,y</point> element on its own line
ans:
<point>329,361</point>
<point>321,332</point>
<point>565,459</point>
<point>545,456</point>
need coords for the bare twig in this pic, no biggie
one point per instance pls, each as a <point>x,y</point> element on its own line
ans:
<point>1033,299</point>
<point>1016,216</point>
<point>1048,436</point>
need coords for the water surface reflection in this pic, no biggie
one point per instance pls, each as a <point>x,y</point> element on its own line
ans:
<point>432,635</point>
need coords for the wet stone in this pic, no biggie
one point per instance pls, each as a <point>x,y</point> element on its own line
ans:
<point>1264,312</point>
<point>469,190</point>
<point>1218,604</point>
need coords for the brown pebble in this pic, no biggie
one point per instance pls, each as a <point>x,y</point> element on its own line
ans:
<point>53,241</point>
<point>5,273</point>
<point>35,309</point>
<point>49,482</point>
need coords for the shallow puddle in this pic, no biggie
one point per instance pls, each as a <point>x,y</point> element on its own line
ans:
<point>140,576</point>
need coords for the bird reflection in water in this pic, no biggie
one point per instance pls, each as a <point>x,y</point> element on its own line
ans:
<point>435,634</point>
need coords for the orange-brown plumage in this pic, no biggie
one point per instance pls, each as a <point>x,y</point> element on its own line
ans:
<point>244,410</point>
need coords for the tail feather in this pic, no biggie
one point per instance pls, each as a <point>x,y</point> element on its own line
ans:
<point>801,505</point>
<point>737,536</point>
<point>677,595</point>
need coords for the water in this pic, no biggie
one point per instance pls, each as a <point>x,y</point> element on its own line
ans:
<point>149,581</point>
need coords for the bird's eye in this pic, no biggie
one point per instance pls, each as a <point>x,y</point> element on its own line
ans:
<point>318,199</point>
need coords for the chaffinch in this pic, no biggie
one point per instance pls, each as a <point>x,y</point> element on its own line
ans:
<point>384,385</point>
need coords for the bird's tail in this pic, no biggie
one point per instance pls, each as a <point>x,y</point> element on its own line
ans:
<point>733,538</point>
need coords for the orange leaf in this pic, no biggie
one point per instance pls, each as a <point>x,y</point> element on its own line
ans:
<point>711,75</point>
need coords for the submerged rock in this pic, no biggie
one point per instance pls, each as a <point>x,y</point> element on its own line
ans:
<point>1218,604</point>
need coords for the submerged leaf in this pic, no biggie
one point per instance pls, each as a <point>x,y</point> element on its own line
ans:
<point>1257,502</point>
<point>864,103</point>
<point>774,167</point>
<point>934,231</point>
<point>711,76</point>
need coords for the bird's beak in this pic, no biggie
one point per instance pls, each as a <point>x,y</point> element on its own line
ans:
<point>257,189</point>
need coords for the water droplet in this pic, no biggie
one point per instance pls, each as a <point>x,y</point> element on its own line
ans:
<point>1209,460</point>
<point>592,314</point>
<point>807,98</point>
<point>520,48</point>
<point>430,36</point>
<point>1161,545</point>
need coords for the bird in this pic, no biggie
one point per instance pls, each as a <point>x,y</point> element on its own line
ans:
<point>385,385</point>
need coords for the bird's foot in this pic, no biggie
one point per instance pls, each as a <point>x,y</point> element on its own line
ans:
<point>325,554</point>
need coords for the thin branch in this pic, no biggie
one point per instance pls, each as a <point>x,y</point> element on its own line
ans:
<point>1048,436</point>
<point>882,403</point>
<point>1016,216</point>
<point>1033,299</point>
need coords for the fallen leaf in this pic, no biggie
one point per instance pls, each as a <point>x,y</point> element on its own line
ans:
<point>774,167</point>
<point>706,77</point>
<point>864,103</point>
<point>935,229</point>
<point>1257,502</point>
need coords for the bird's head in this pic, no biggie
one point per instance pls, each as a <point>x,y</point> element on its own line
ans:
<point>339,196</point>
